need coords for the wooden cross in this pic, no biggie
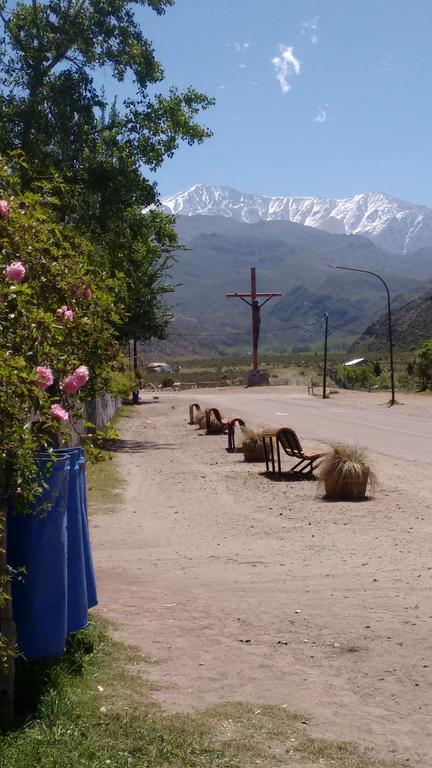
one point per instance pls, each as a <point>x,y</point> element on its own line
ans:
<point>256,311</point>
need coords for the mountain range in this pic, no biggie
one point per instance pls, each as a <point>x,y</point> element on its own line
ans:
<point>291,258</point>
<point>392,224</point>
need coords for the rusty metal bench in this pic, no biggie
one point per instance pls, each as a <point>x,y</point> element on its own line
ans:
<point>218,425</point>
<point>286,438</point>
<point>231,432</point>
<point>192,408</point>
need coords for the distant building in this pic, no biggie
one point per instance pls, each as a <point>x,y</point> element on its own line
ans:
<point>356,362</point>
<point>159,368</point>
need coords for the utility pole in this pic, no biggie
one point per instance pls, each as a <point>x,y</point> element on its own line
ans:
<point>325,357</point>
<point>255,376</point>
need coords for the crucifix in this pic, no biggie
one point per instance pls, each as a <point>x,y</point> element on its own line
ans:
<point>256,311</point>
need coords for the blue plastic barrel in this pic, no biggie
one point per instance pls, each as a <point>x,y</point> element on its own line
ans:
<point>92,599</point>
<point>38,542</point>
<point>77,607</point>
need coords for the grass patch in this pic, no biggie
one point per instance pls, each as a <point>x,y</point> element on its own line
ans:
<point>104,481</point>
<point>91,709</point>
<point>272,736</point>
<point>88,710</point>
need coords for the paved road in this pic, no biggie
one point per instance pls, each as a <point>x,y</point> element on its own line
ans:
<point>403,431</point>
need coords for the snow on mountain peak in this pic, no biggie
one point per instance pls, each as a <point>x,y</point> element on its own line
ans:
<point>391,223</point>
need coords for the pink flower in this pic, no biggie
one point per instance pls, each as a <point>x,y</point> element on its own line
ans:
<point>81,375</point>
<point>15,272</point>
<point>5,209</point>
<point>44,377</point>
<point>65,313</point>
<point>59,413</point>
<point>84,292</point>
<point>70,385</point>
<point>76,380</point>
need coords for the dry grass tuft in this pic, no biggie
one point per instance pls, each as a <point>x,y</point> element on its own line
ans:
<point>200,419</point>
<point>252,444</point>
<point>345,473</point>
<point>215,426</point>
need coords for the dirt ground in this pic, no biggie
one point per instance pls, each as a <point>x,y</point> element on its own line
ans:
<point>240,588</point>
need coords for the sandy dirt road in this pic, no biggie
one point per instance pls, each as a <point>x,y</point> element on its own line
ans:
<point>242,588</point>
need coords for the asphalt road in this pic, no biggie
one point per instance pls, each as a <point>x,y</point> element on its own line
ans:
<point>403,431</point>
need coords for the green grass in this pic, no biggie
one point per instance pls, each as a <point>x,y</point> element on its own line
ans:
<point>92,709</point>
<point>88,710</point>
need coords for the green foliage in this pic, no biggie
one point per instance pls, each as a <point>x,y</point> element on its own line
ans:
<point>377,369</point>
<point>50,94</point>
<point>422,365</point>
<point>55,111</point>
<point>86,710</point>
<point>32,333</point>
<point>121,383</point>
<point>361,376</point>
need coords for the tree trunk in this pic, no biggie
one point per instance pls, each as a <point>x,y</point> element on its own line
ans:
<point>7,626</point>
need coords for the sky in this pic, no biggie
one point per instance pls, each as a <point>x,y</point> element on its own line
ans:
<point>313,97</point>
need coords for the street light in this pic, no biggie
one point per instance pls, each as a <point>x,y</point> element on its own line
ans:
<point>368,272</point>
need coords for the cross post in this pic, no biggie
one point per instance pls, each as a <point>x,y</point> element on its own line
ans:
<point>255,305</point>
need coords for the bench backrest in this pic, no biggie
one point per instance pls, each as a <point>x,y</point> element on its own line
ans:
<point>290,442</point>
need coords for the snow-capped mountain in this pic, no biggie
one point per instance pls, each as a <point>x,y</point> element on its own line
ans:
<point>393,224</point>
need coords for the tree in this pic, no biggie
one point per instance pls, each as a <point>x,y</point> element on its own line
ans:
<point>361,376</point>
<point>53,109</point>
<point>422,363</point>
<point>377,369</point>
<point>51,100</point>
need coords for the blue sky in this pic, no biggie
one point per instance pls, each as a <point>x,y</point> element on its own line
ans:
<point>351,112</point>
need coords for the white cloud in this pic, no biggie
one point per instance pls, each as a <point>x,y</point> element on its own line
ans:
<point>242,66</point>
<point>285,65</point>
<point>241,47</point>
<point>322,115</point>
<point>310,28</point>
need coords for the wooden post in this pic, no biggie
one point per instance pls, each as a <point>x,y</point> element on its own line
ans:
<point>7,626</point>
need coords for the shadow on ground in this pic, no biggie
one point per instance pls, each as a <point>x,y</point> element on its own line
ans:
<point>289,477</point>
<point>138,446</point>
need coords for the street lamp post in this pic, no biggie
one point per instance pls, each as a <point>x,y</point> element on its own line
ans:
<point>368,272</point>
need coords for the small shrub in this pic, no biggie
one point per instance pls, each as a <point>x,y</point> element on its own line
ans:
<point>252,444</point>
<point>200,419</point>
<point>345,473</point>
<point>167,382</point>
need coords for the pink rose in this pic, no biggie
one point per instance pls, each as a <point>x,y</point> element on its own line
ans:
<point>44,377</point>
<point>81,375</point>
<point>65,313</point>
<point>70,385</point>
<point>15,272</point>
<point>59,413</point>
<point>5,209</point>
<point>76,380</point>
<point>84,292</point>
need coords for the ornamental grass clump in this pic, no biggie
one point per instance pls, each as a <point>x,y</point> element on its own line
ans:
<point>200,419</point>
<point>214,426</point>
<point>345,473</point>
<point>252,444</point>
